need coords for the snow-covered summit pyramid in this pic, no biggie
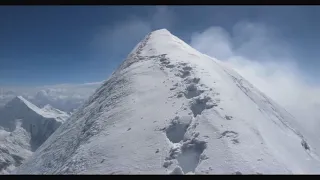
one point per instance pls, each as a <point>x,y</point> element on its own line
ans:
<point>170,109</point>
<point>23,128</point>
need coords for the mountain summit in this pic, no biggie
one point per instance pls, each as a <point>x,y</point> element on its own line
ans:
<point>169,109</point>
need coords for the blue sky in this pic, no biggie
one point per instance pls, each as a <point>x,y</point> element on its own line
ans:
<point>44,45</point>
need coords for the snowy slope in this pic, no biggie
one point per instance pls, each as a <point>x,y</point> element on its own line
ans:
<point>170,109</point>
<point>14,148</point>
<point>24,127</point>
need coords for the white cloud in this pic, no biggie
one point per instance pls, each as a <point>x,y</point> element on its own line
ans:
<point>258,54</point>
<point>214,41</point>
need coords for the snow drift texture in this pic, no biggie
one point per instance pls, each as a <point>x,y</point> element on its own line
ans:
<point>23,128</point>
<point>169,109</point>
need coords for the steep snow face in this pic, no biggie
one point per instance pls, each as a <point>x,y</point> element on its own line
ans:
<point>24,127</point>
<point>170,109</point>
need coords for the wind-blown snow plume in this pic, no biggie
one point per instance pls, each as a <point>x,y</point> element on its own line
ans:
<point>257,53</point>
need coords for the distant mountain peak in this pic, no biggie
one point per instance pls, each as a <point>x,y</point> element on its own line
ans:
<point>23,128</point>
<point>21,101</point>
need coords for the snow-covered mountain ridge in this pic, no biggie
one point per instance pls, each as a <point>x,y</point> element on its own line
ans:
<point>23,128</point>
<point>171,109</point>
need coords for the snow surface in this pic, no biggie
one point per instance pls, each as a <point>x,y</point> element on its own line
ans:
<point>24,127</point>
<point>168,109</point>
